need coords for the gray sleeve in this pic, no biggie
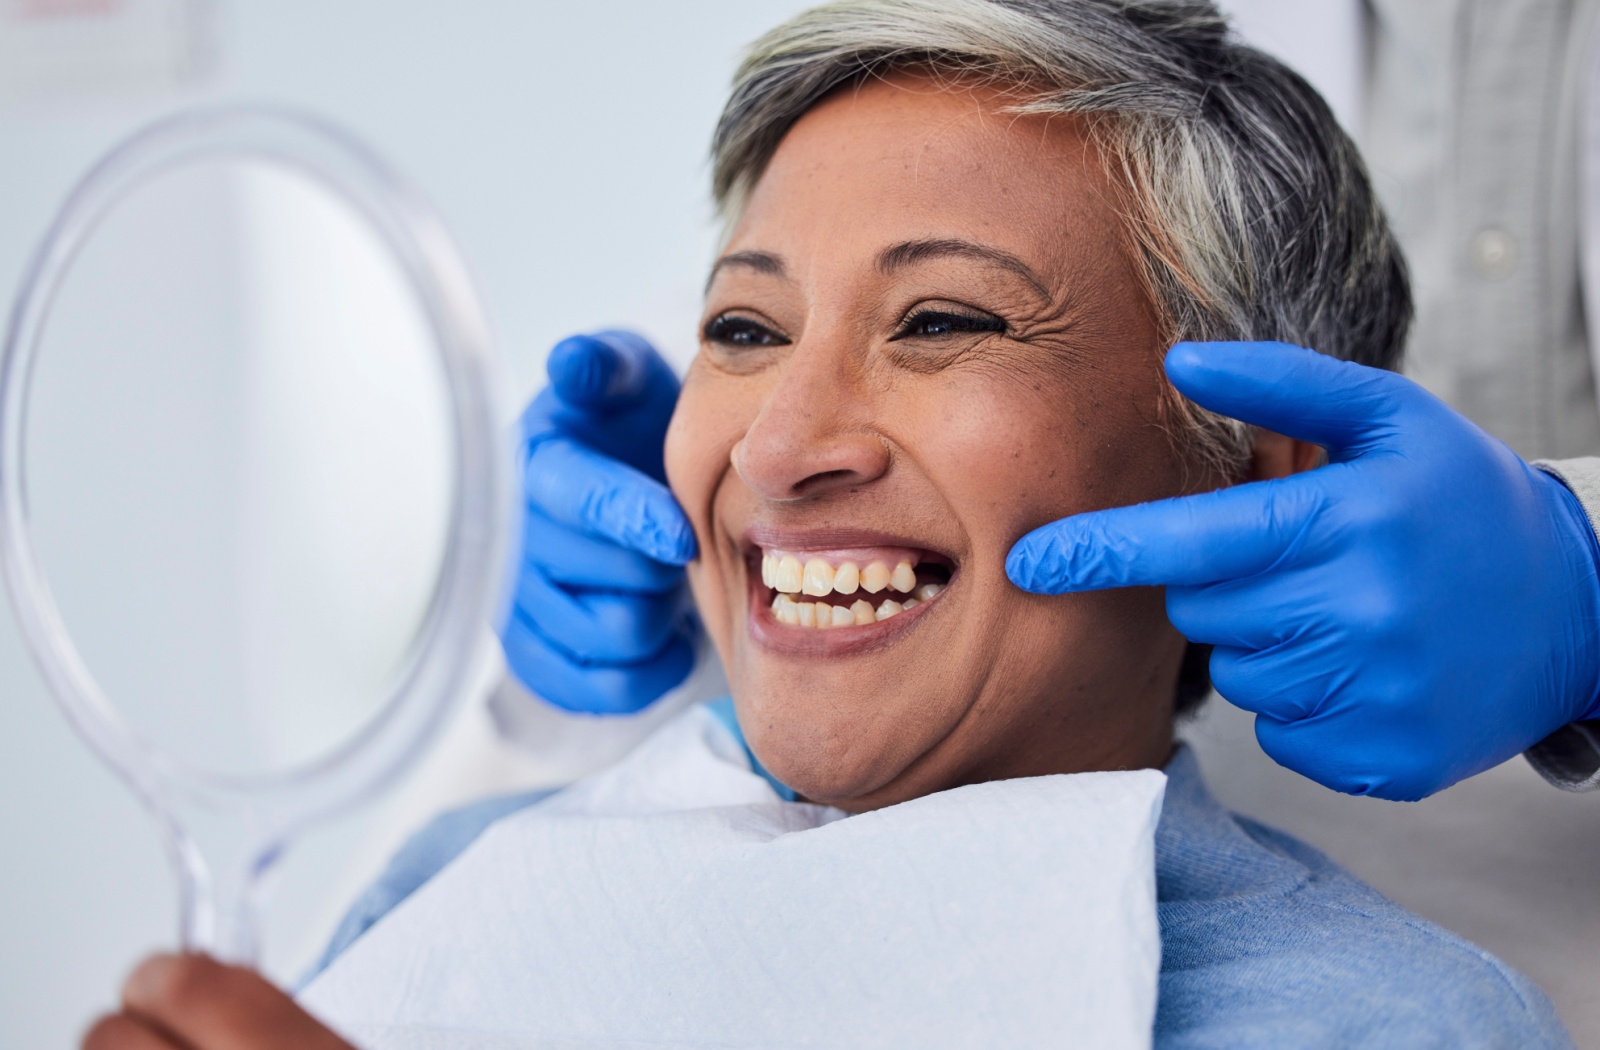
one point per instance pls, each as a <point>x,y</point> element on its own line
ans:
<point>1581,477</point>
<point>1569,758</point>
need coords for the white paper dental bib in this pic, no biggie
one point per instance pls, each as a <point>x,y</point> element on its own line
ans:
<point>675,901</point>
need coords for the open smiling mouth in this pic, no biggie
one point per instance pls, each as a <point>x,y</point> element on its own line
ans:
<point>838,589</point>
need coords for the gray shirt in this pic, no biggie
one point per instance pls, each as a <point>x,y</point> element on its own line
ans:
<point>1472,127</point>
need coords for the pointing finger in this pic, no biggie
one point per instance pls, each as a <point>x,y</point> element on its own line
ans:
<point>605,372</point>
<point>1186,541</point>
<point>613,392</point>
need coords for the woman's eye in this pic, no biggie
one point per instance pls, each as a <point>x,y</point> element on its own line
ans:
<point>933,323</point>
<point>732,330</point>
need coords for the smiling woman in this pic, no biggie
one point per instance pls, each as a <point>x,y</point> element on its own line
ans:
<point>961,234</point>
<point>928,335</point>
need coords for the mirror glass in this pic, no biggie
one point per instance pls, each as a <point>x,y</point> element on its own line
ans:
<point>239,465</point>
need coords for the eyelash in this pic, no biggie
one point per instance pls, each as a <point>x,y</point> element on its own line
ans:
<point>946,322</point>
<point>731,330</point>
<point>742,332</point>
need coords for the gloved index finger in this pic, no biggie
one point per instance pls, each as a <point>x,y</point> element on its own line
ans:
<point>605,371</point>
<point>613,392</point>
<point>587,490</point>
<point>1184,541</point>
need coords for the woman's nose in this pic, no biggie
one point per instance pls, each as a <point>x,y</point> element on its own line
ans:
<point>813,435</point>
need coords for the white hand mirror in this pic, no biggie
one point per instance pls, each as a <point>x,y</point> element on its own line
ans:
<point>254,493</point>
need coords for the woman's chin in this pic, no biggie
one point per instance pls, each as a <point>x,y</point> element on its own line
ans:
<point>837,746</point>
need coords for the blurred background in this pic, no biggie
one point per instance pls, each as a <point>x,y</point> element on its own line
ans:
<point>564,144</point>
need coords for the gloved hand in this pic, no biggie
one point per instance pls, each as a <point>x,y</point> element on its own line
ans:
<point>1418,610</point>
<point>599,622</point>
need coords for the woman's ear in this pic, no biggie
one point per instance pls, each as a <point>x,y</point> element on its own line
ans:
<point>1276,456</point>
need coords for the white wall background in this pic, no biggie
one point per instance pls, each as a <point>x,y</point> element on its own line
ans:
<point>564,143</point>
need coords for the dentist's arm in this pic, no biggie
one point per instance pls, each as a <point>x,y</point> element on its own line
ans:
<point>1421,608</point>
<point>599,622</point>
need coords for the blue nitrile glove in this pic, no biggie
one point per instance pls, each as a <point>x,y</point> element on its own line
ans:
<point>1420,609</point>
<point>599,623</point>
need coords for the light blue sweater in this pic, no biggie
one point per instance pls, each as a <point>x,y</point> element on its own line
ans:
<point>1265,942</point>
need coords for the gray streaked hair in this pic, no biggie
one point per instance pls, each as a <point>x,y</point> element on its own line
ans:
<point>1249,207</point>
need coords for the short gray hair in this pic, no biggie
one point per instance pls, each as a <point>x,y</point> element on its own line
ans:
<point>1250,208</point>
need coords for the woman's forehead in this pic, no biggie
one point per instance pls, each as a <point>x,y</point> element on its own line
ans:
<point>891,168</point>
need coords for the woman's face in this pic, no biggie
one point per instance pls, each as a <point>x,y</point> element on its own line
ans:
<point>926,337</point>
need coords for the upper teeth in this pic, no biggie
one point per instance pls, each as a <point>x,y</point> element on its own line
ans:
<point>786,574</point>
<point>818,577</point>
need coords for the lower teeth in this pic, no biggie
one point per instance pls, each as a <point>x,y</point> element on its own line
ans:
<point>821,615</point>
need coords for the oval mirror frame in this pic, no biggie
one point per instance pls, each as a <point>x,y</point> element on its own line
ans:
<point>218,917</point>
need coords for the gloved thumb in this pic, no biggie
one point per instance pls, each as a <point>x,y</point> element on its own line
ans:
<point>1347,408</point>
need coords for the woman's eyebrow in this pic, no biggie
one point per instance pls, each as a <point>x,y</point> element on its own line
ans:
<point>759,262</point>
<point>909,253</point>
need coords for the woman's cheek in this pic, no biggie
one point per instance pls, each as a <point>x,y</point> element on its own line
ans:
<point>699,444</point>
<point>714,411</point>
<point>679,447</point>
<point>691,454</point>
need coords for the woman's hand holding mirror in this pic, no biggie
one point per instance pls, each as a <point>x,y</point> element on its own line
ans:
<point>191,1002</point>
